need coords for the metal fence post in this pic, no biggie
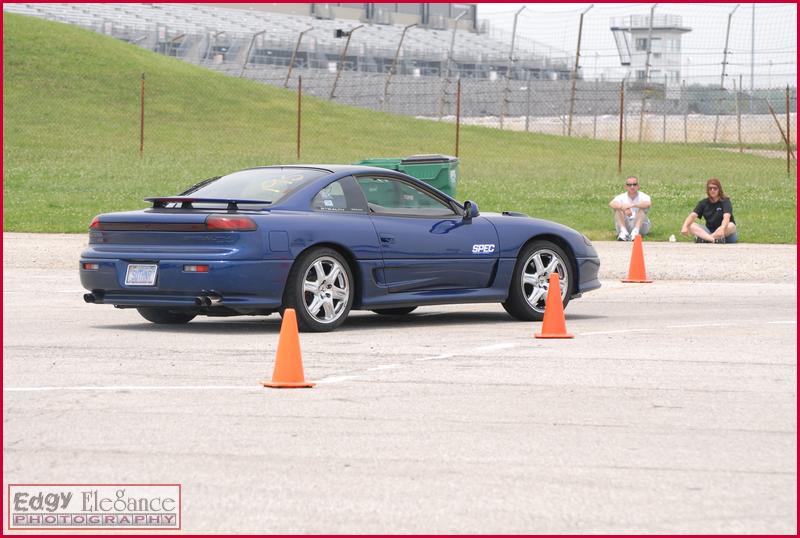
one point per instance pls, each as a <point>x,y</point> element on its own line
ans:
<point>299,111</point>
<point>685,96</point>
<point>249,50</point>
<point>594,108</point>
<point>458,112</point>
<point>724,66</point>
<point>780,128</point>
<point>141,118</point>
<point>294,55</point>
<point>626,130</point>
<point>621,122</point>
<point>664,122</point>
<point>646,72</point>
<point>341,60</point>
<point>528,105</point>
<point>575,72</point>
<point>788,134</point>
<point>738,113</point>
<point>445,73</point>
<point>394,65</point>
<point>505,100</point>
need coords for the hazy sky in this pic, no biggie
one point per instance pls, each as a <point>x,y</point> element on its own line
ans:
<point>556,25</point>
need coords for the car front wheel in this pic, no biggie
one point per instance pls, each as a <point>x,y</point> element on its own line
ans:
<point>320,288</point>
<point>527,295</point>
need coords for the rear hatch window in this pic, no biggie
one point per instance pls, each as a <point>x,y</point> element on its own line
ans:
<point>271,184</point>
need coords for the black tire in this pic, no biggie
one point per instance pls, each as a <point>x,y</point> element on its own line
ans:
<point>165,316</point>
<point>328,297</point>
<point>520,297</point>
<point>395,311</point>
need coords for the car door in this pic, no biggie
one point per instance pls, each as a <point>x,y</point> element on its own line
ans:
<point>425,242</point>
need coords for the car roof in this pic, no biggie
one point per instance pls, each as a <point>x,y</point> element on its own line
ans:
<point>332,168</point>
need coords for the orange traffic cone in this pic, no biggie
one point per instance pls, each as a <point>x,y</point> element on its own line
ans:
<point>288,373</point>
<point>636,272</point>
<point>554,324</point>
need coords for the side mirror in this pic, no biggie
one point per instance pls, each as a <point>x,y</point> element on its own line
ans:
<point>470,210</point>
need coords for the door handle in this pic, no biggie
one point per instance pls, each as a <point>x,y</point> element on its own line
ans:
<point>387,239</point>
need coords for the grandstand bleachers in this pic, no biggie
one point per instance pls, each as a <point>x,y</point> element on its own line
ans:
<point>258,44</point>
<point>193,22</point>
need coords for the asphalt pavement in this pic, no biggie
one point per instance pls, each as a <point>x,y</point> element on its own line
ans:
<point>673,410</point>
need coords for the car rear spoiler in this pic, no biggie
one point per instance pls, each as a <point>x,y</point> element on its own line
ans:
<point>187,201</point>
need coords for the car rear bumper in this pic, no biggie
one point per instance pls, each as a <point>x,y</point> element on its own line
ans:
<point>236,283</point>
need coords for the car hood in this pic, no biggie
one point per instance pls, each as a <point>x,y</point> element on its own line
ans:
<point>514,217</point>
<point>513,223</point>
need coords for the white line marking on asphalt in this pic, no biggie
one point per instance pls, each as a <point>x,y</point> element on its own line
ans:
<point>133,387</point>
<point>386,367</point>
<point>436,357</point>
<point>687,326</point>
<point>341,378</point>
<point>623,331</point>
<point>699,325</point>
<point>495,347</point>
<point>335,379</point>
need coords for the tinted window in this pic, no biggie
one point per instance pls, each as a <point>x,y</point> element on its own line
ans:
<point>342,195</point>
<point>270,184</point>
<point>391,196</point>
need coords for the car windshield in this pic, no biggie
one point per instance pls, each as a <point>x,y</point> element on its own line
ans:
<point>270,184</point>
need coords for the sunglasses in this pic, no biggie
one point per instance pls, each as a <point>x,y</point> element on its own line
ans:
<point>713,188</point>
<point>631,184</point>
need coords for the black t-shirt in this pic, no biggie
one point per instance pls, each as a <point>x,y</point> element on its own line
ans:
<point>712,212</point>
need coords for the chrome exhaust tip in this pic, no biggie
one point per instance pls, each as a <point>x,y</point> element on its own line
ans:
<point>208,300</point>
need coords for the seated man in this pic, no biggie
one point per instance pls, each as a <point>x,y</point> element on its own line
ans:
<point>630,211</point>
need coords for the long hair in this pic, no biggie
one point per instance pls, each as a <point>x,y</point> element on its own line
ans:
<point>714,181</point>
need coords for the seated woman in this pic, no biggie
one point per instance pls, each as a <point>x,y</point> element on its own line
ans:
<point>717,211</point>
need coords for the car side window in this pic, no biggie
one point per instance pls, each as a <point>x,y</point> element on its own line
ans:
<point>343,195</point>
<point>389,196</point>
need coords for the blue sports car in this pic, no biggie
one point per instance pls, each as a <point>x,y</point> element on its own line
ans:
<point>324,239</point>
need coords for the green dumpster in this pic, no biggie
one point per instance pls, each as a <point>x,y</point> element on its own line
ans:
<point>440,171</point>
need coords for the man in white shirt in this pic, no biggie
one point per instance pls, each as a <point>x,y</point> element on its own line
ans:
<point>630,211</point>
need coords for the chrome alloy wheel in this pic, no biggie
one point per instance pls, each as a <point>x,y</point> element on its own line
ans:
<point>536,277</point>
<point>326,290</point>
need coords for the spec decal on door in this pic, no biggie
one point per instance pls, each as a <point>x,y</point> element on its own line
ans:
<point>482,249</point>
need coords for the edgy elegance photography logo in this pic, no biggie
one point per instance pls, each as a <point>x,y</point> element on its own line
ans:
<point>94,506</point>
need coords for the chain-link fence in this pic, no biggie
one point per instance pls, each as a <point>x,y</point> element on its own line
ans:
<point>663,98</point>
<point>77,110</point>
<point>451,75</point>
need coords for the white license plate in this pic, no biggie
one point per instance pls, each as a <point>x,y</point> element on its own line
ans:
<point>141,275</point>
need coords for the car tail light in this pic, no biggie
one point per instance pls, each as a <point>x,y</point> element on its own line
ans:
<point>95,223</point>
<point>91,266</point>
<point>195,268</point>
<point>240,224</point>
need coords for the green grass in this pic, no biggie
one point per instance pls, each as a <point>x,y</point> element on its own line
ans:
<point>71,131</point>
